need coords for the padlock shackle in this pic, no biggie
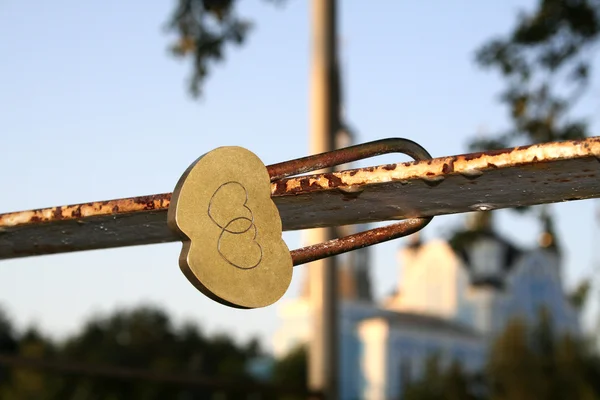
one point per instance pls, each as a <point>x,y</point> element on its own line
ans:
<point>346,155</point>
<point>359,240</point>
<point>343,156</point>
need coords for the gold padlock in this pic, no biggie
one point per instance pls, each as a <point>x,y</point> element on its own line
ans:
<point>234,252</point>
<point>231,230</point>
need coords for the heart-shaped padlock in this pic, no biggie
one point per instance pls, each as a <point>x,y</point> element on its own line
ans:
<point>233,250</point>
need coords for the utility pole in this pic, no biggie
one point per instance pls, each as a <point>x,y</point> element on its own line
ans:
<point>323,350</point>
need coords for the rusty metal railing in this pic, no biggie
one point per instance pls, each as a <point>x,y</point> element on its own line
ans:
<point>522,176</point>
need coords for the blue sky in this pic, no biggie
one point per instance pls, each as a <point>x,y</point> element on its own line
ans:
<point>95,108</point>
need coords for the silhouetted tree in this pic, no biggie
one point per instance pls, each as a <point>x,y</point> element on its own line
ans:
<point>537,363</point>
<point>578,296</point>
<point>141,338</point>
<point>545,62</point>
<point>27,383</point>
<point>204,28</point>
<point>146,338</point>
<point>291,370</point>
<point>524,363</point>
<point>8,345</point>
<point>438,383</point>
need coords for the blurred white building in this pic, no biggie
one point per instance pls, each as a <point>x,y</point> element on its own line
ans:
<point>453,298</point>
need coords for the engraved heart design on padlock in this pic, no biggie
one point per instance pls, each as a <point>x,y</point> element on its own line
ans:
<point>232,220</point>
<point>237,224</point>
<point>241,250</point>
<point>233,250</point>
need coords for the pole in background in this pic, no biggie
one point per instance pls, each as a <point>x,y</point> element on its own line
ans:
<point>323,350</point>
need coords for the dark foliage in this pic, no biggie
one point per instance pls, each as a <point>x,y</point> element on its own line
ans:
<point>143,339</point>
<point>441,384</point>
<point>204,29</point>
<point>526,362</point>
<point>292,371</point>
<point>545,61</point>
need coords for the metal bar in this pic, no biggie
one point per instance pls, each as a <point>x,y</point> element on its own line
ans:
<point>539,174</point>
<point>359,240</point>
<point>522,176</point>
<point>128,374</point>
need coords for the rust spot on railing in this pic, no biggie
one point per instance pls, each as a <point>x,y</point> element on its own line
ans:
<point>78,211</point>
<point>534,156</point>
